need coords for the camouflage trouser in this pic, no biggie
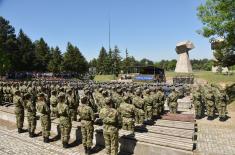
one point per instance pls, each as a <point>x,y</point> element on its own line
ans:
<point>139,116</point>
<point>222,111</point>
<point>46,125</point>
<point>198,110</point>
<point>1,100</point>
<point>111,140</point>
<point>87,129</point>
<point>65,128</point>
<point>210,111</point>
<point>128,124</point>
<point>73,113</point>
<point>173,107</point>
<point>161,108</point>
<point>149,113</point>
<point>156,109</point>
<point>32,122</point>
<point>19,118</point>
<point>53,111</point>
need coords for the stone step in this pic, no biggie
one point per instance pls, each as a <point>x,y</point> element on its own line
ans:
<point>162,140</point>
<point>175,124</point>
<point>166,131</point>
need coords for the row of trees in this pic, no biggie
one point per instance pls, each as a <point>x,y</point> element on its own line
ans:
<point>19,53</point>
<point>112,63</point>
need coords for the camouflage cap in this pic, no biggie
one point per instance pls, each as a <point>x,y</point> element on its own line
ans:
<point>126,98</point>
<point>41,95</point>
<point>108,100</point>
<point>61,94</point>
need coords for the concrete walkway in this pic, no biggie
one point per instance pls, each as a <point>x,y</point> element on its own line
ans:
<point>215,137</point>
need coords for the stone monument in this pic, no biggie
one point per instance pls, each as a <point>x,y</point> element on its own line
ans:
<point>183,64</point>
<point>215,44</point>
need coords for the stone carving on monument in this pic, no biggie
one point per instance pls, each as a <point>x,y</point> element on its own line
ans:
<point>183,64</point>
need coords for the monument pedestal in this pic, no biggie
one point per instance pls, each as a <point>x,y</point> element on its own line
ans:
<point>183,64</point>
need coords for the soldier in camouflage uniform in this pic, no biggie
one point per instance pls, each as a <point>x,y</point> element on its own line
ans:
<point>148,105</point>
<point>223,104</point>
<point>118,98</point>
<point>72,105</point>
<point>91,100</point>
<point>53,103</point>
<point>44,112</point>
<point>138,101</point>
<point>111,120</point>
<point>210,104</point>
<point>127,111</point>
<point>98,97</point>
<point>19,111</point>
<point>65,119</point>
<point>173,105</point>
<point>87,124</point>
<point>1,93</point>
<point>198,103</point>
<point>31,114</point>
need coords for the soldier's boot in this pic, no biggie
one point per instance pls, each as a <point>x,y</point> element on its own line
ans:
<point>85,148</point>
<point>197,117</point>
<point>209,118</point>
<point>65,145</point>
<point>46,139</point>
<point>222,119</point>
<point>20,130</point>
<point>30,134</point>
<point>88,151</point>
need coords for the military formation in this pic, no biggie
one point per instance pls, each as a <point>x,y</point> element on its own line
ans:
<point>114,105</point>
<point>210,99</point>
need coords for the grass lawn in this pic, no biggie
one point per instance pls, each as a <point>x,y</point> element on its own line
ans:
<point>209,76</point>
<point>104,78</point>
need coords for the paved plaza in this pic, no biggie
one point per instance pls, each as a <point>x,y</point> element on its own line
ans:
<point>215,137</point>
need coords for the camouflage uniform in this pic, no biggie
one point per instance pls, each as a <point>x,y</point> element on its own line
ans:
<point>87,120</point>
<point>222,106</point>
<point>44,112</point>
<point>53,103</point>
<point>210,104</point>
<point>110,118</point>
<point>31,115</point>
<point>148,104</point>
<point>19,111</point>
<point>117,98</point>
<point>127,112</point>
<point>139,108</point>
<point>98,97</point>
<point>72,105</point>
<point>1,93</point>
<point>65,119</point>
<point>173,105</point>
<point>197,101</point>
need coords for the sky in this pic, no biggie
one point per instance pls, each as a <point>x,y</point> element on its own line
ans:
<point>147,28</point>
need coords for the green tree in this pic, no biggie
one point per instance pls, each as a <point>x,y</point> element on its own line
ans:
<point>43,55</point>
<point>74,61</point>
<point>101,61</point>
<point>116,60</point>
<point>146,62</point>
<point>55,63</point>
<point>26,52</point>
<point>93,63</point>
<point>8,47</point>
<point>218,18</point>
